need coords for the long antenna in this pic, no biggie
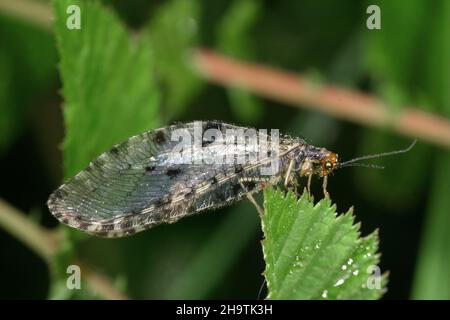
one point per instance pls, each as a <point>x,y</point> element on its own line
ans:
<point>366,165</point>
<point>378,155</point>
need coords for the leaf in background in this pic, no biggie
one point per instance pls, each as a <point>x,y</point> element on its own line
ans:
<point>311,253</point>
<point>234,39</point>
<point>432,280</point>
<point>108,85</point>
<point>173,33</point>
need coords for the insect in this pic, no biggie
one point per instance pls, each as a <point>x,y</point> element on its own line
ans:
<point>169,173</point>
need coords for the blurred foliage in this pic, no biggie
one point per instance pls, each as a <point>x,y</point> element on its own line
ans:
<point>207,268</point>
<point>311,253</point>
<point>233,33</point>
<point>406,73</point>
<point>64,257</point>
<point>110,107</point>
<point>391,59</point>
<point>173,32</point>
<point>8,120</point>
<point>99,63</point>
<point>432,279</point>
<point>26,65</point>
<point>123,76</point>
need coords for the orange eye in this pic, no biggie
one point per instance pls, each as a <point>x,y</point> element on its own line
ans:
<point>329,163</point>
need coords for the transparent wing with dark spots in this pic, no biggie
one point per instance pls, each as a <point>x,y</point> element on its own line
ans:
<point>134,185</point>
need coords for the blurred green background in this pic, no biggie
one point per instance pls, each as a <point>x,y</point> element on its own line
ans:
<point>67,95</point>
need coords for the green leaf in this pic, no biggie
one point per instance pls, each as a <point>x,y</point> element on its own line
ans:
<point>108,86</point>
<point>311,253</point>
<point>173,32</point>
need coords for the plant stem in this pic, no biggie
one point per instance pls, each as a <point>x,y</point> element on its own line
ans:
<point>38,13</point>
<point>286,87</point>
<point>101,284</point>
<point>42,242</point>
<point>343,103</point>
<point>45,243</point>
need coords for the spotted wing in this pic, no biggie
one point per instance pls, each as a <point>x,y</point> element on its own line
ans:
<point>136,185</point>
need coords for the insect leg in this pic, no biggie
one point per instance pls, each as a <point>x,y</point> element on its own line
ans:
<point>324,187</point>
<point>288,173</point>
<point>308,186</point>
<point>250,197</point>
<point>261,288</point>
<point>296,184</point>
<point>258,207</point>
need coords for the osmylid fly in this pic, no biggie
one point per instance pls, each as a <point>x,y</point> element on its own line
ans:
<point>169,173</point>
